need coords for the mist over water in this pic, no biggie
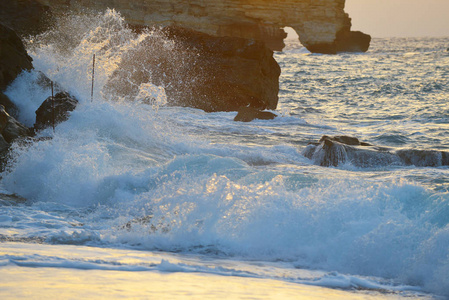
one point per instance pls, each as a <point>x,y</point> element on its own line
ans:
<point>130,172</point>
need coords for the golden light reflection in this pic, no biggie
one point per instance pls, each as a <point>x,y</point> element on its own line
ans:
<point>55,283</point>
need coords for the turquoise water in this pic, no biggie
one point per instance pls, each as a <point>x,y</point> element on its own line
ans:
<point>133,175</point>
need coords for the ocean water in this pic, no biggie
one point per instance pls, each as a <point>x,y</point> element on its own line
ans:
<point>153,188</point>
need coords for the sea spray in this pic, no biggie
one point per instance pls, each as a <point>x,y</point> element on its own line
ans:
<point>64,54</point>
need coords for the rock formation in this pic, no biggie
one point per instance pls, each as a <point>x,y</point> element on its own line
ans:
<point>10,130</point>
<point>13,60</point>
<point>201,71</point>
<point>54,110</point>
<point>338,150</point>
<point>13,56</point>
<point>222,59</point>
<point>322,25</point>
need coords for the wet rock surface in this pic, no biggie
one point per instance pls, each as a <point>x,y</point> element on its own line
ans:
<point>201,71</point>
<point>248,114</point>
<point>13,56</point>
<point>54,110</point>
<point>339,150</point>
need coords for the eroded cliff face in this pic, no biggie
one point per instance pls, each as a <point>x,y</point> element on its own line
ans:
<point>223,59</point>
<point>322,25</point>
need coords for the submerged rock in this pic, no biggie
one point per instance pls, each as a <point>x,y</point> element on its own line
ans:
<point>338,150</point>
<point>247,114</point>
<point>54,110</point>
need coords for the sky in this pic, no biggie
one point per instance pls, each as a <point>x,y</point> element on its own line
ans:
<point>400,18</point>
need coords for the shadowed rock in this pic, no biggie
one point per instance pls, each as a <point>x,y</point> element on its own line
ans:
<point>54,110</point>
<point>352,41</point>
<point>322,26</point>
<point>10,107</point>
<point>338,150</point>
<point>26,17</point>
<point>10,131</point>
<point>13,56</point>
<point>201,71</point>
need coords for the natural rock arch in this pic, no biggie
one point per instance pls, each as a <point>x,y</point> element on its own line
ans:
<point>234,40</point>
<point>322,25</point>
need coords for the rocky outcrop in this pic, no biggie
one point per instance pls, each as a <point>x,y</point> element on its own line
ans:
<point>13,56</point>
<point>9,106</point>
<point>10,130</point>
<point>54,110</point>
<point>13,60</point>
<point>219,55</point>
<point>322,25</point>
<point>338,150</point>
<point>201,71</point>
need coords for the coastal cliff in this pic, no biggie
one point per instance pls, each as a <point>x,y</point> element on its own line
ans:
<point>223,59</point>
<point>322,25</point>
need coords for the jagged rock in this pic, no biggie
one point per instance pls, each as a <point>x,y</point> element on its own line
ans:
<point>10,107</point>
<point>13,56</point>
<point>338,150</point>
<point>201,71</point>
<point>54,110</point>
<point>10,128</point>
<point>247,114</point>
<point>221,55</point>
<point>322,25</point>
<point>424,158</point>
<point>14,129</point>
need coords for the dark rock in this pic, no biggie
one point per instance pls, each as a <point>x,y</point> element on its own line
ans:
<point>26,17</point>
<point>346,41</point>
<point>4,146</point>
<point>14,130</point>
<point>247,114</point>
<point>352,41</point>
<point>10,107</point>
<point>10,128</point>
<point>344,139</point>
<point>13,56</point>
<point>11,199</point>
<point>338,150</point>
<point>201,71</point>
<point>54,110</point>
<point>422,158</point>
